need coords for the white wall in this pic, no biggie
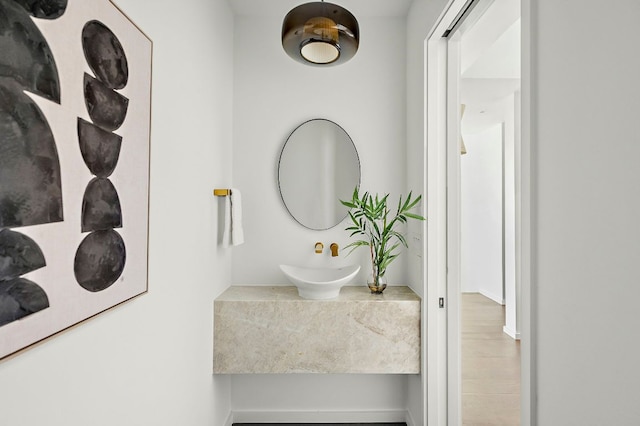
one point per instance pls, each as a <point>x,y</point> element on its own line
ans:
<point>586,206</point>
<point>149,360</point>
<point>481,213</point>
<point>484,184</point>
<point>318,398</point>
<point>512,133</point>
<point>422,16</point>
<point>272,96</point>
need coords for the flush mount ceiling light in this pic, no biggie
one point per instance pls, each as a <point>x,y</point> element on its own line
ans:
<point>320,34</point>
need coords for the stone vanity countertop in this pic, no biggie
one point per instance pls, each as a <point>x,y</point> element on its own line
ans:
<point>290,293</point>
<point>270,329</point>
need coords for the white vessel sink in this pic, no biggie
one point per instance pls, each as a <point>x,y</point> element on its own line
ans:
<point>319,283</point>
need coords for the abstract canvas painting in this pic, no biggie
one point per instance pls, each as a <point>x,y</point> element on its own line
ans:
<point>75,94</point>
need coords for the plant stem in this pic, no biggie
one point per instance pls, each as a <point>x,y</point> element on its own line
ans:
<point>373,265</point>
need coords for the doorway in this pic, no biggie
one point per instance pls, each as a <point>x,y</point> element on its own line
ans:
<point>490,96</point>
<point>444,53</point>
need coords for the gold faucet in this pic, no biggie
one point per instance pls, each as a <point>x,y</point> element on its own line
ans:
<point>334,249</point>
<point>319,247</point>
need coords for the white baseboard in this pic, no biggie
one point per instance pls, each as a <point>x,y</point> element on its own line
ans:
<point>496,298</point>
<point>321,416</point>
<point>511,333</point>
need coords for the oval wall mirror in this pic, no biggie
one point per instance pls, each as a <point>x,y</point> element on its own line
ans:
<point>319,166</point>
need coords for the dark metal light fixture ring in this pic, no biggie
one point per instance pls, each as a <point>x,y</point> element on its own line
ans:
<point>320,34</point>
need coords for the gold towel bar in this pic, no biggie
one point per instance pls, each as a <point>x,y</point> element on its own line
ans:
<point>221,192</point>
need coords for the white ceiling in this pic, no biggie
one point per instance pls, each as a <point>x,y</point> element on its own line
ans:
<point>486,102</point>
<point>356,7</point>
<point>490,66</point>
<point>499,60</point>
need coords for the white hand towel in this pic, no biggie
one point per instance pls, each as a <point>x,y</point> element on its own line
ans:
<point>233,233</point>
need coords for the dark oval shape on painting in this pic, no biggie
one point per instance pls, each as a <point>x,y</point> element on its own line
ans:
<point>19,255</point>
<point>100,260</point>
<point>44,9</point>
<point>100,149</point>
<point>105,55</point>
<point>101,206</point>
<point>20,298</point>
<point>107,108</point>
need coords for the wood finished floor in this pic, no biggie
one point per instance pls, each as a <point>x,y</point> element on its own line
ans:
<point>490,365</point>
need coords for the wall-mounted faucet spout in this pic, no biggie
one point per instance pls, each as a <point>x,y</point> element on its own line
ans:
<point>334,249</point>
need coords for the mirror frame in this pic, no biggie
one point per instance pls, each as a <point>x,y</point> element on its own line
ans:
<point>284,146</point>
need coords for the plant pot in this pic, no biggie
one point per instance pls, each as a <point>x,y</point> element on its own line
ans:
<point>378,285</point>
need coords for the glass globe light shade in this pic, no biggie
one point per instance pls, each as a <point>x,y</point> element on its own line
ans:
<point>320,34</point>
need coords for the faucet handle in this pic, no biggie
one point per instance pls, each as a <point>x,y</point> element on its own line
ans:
<point>319,247</point>
<point>334,249</point>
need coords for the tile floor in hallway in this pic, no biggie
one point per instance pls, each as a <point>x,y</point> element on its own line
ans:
<point>490,365</point>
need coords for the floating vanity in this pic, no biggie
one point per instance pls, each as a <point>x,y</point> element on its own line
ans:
<point>273,330</point>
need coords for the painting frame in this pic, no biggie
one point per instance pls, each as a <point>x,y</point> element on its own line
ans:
<point>76,285</point>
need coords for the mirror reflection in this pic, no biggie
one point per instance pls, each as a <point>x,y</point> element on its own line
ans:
<point>318,167</point>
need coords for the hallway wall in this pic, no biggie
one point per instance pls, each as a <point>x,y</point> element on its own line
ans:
<point>273,95</point>
<point>481,215</point>
<point>586,205</point>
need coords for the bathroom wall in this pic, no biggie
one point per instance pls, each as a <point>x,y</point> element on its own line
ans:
<point>272,96</point>
<point>318,398</point>
<point>148,362</point>
<point>421,18</point>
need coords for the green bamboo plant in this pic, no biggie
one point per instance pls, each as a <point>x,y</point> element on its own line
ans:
<point>369,216</point>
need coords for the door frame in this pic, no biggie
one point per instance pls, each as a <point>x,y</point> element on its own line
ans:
<point>441,102</point>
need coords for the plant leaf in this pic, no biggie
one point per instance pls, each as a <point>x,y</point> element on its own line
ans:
<point>414,216</point>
